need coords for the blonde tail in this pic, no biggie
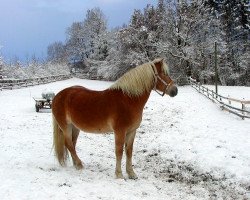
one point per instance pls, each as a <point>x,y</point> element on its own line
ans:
<point>61,151</point>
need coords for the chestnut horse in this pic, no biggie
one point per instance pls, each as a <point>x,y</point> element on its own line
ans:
<point>117,109</point>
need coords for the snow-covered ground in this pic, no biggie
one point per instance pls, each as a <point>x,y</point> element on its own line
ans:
<point>235,92</point>
<point>185,148</point>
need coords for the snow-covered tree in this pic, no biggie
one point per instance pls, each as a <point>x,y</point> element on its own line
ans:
<point>56,52</point>
<point>203,35</point>
<point>87,39</point>
<point>75,46</point>
<point>234,21</point>
<point>136,41</point>
<point>188,30</point>
<point>94,32</point>
<point>182,31</point>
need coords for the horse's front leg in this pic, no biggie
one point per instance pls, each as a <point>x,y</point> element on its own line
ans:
<point>129,150</point>
<point>119,144</point>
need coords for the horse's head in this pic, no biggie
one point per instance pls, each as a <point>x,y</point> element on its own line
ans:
<point>163,82</point>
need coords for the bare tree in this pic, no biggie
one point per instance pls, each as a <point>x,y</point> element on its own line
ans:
<point>56,52</point>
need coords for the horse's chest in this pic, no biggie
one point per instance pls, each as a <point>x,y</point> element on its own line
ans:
<point>128,120</point>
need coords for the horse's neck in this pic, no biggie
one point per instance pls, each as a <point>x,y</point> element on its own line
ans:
<point>139,101</point>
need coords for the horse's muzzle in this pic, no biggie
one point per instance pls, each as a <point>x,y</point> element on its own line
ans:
<point>173,91</point>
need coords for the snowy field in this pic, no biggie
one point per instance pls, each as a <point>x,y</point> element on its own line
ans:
<point>185,148</point>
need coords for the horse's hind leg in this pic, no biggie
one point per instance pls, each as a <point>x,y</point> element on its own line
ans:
<point>71,135</point>
<point>75,134</point>
<point>129,150</point>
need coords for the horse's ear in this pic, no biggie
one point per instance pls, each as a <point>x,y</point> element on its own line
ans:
<point>161,60</point>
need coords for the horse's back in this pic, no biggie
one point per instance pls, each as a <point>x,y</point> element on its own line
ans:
<point>89,110</point>
<point>68,93</point>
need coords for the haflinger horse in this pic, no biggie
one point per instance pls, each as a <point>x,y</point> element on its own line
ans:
<point>117,109</point>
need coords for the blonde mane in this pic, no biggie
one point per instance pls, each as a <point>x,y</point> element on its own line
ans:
<point>138,80</point>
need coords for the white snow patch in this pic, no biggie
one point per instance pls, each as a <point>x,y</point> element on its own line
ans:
<point>185,148</point>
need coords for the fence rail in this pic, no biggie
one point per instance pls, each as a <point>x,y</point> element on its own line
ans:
<point>224,102</point>
<point>10,84</point>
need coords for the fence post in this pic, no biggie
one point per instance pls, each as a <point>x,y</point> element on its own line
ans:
<point>229,101</point>
<point>216,67</point>
<point>243,109</point>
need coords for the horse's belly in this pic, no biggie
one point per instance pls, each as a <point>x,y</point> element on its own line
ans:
<point>96,129</point>
<point>94,126</point>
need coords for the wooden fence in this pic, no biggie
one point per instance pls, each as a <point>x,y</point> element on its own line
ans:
<point>232,105</point>
<point>10,84</point>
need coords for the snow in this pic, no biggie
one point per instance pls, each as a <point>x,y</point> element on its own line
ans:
<point>185,148</point>
<point>239,93</point>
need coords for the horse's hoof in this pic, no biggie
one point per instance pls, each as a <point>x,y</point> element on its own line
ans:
<point>133,176</point>
<point>79,166</point>
<point>119,176</point>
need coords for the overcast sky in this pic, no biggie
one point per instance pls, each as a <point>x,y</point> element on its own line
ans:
<point>27,27</point>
